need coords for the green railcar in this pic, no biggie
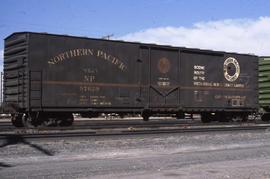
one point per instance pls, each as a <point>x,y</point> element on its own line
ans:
<point>264,86</point>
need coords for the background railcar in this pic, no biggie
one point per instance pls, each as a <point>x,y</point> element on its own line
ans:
<point>264,87</point>
<point>49,77</point>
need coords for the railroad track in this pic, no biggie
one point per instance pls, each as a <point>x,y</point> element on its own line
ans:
<point>135,123</point>
<point>64,133</point>
<point>101,124</point>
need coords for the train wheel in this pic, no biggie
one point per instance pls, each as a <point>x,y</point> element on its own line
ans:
<point>146,117</point>
<point>224,118</point>
<point>27,121</point>
<point>66,119</point>
<point>31,120</point>
<point>180,115</point>
<point>122,116</point>
<point>16,120</point>
<point>89,115</point>
<point>266,117</point>
<point>46,120</point>
<point>244,117</point>
<point>84,115</point>
<point>146,114</point>
<point>236,118</point>
<point>239,118</point>
<point>206,117</point>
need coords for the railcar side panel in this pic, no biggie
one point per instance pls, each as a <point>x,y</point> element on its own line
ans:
<point>218,81</point>
<point>80,73</point>
<point>56,72</point>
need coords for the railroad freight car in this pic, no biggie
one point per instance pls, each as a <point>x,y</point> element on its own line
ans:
<point>264,87</point>
<point>48,77</point>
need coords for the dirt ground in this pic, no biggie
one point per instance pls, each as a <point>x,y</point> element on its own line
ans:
<point>197,155</point>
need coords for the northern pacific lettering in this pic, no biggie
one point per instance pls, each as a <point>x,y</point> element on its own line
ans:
<point>100,54</point>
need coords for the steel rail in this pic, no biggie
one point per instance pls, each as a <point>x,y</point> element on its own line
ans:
<point>107,124</point>
<point>36,134</point>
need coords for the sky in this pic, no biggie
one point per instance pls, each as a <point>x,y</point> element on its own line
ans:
<point>229,25</point>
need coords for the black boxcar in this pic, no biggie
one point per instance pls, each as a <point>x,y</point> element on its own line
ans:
<point>52,76</point>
